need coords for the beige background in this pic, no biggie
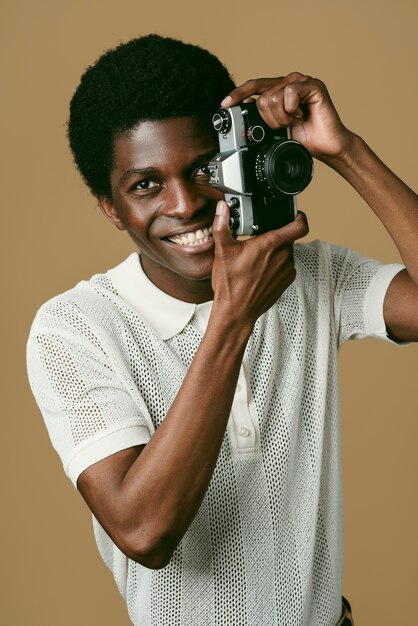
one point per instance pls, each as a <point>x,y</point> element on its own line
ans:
<point>53,235</point>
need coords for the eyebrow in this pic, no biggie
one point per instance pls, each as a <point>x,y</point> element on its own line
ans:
<point>137,171</point>
<point>132,172</point>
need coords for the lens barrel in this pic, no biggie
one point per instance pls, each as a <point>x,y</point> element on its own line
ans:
<point>285,167</point>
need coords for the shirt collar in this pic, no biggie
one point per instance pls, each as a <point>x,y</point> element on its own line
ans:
<point>167,315</point>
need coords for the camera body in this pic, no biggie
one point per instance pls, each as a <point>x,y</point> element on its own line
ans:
<point>259,169</point>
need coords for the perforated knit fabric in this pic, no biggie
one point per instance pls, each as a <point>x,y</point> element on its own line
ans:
<point>266,545</point>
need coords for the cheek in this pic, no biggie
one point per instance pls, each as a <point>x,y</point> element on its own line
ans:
<point>136,218</point>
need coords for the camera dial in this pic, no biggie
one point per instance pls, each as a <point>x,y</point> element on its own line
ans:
<point>222,121</point>
<point>234,215</point>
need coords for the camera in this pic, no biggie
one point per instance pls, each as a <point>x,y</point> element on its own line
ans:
<point>259,169</point>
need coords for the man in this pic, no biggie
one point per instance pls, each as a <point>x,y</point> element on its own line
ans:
<point>192,390</point>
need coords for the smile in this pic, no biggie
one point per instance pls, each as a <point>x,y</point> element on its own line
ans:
<point>195,238</point>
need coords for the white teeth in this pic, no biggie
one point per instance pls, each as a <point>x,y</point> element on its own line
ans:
<point>194,238</point>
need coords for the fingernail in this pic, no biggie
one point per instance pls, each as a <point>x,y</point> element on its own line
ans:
<point>226,102</point>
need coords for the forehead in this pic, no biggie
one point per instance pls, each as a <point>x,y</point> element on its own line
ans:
<point>158,143</point>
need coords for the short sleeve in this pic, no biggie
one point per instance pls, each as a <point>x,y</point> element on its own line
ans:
<point>87,406</point>
<point>360,284</point>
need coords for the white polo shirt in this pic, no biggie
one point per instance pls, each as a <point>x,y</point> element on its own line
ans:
<point>106,360</point>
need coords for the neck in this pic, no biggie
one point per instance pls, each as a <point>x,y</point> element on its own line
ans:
<point>179,287</point>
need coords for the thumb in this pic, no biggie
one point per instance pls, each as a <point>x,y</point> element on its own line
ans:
<point>221,229</point>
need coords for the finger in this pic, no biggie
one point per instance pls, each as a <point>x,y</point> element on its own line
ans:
<point>221,230</point>
<point>291,101</point>
<point>292,94</point>
<point>257,87</point>
<point>297,229</point>
<point>253,87</point>
<point>280,105</point>
<point>288,234</point>
<point>270,107</point>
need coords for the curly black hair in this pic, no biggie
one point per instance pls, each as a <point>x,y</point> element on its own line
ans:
<point>148,78</point>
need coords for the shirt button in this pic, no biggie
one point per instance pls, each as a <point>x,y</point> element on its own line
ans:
<point>238,387</point>
<point>243,432</point>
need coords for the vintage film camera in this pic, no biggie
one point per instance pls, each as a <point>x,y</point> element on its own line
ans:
<point>259,169</point>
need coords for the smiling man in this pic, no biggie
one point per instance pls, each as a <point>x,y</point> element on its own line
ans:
<point>192,390</point>
<point>173,228</point>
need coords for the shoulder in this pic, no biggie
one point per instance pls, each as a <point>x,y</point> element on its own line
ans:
<point>319,259</point>
<point>95,315</point>
<point>92,314</point>
<point>89,299</point>
<point>322,252</point>
<point>333,260</point>
<point>337,272</point>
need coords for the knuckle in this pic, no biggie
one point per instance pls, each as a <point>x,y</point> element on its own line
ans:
<point>320,84</point>
<point>221,255</point>
<point>265,244</point>
<point>280,242</point>
<point>295,75</point>
<point>290,88</point>
<point>275,98</point>
<point>263,103</point>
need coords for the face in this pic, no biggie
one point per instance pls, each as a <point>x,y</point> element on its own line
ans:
<point>162,197</point>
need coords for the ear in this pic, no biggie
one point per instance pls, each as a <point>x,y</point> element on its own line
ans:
<point>109,211</point>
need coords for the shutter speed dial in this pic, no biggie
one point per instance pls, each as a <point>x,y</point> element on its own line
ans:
<point>222,121</point>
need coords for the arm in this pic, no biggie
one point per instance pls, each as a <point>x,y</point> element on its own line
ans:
<point>134,494</point>
<point>304,103</point>
<point>397,207</point>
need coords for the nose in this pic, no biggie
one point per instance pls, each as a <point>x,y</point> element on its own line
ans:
<point>185,199</point>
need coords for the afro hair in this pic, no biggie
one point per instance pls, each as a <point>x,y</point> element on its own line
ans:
<point>148,78</point>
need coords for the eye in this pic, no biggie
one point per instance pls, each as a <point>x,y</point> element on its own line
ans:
<point>202,175</point>
<point>145,187</point>
<point>146,184</point>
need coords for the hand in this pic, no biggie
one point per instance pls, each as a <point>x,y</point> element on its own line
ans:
<point>249,276</point>
<point>303,103</point>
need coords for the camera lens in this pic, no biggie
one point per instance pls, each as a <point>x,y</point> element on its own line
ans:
<point>284,166</point>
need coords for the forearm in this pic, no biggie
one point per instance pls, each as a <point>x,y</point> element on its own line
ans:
<point>145,498</point>
<point>156,500</point>
<point>394,203</point>
<point>304,104</point>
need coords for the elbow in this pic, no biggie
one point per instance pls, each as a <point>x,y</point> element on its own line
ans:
<point>151,550</point>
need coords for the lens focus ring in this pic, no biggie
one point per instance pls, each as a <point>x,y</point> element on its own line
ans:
<point>284,167</point>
